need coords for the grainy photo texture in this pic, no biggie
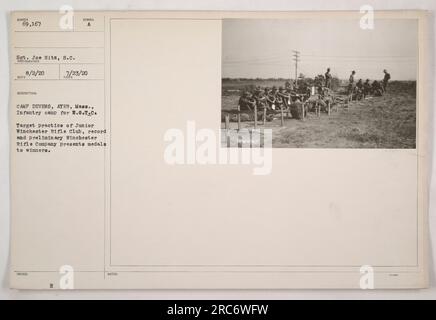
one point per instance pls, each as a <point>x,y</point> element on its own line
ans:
<point>320,83</point>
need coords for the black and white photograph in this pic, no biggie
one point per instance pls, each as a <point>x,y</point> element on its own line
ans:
<point>221,157</point>
<point>321,83</point>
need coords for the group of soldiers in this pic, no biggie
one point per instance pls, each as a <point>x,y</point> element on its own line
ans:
<point>360,90</point>
<point>266,101</point>
<point>289,99</point>
<point>268,98</point>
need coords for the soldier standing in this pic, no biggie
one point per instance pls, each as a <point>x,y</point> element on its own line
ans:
<point>351,83</point>
<point>386,78</point>
<point>328,79</point>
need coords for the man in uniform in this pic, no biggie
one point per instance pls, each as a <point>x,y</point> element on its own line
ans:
<point>278,98</point>
<point>246,102</point>
<point>377,88</point>
<point>260,99</point>
<point>351,84</point>
<point>366,88</point>
<point>285,97</point>
<point>288,86</point>
<point>271,98</point>
<point>386,78</point>
<point>257,90</point>
<point>359,90</point>
<point>328,79</point>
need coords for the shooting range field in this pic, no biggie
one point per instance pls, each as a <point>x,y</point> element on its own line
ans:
<point>387,122</point>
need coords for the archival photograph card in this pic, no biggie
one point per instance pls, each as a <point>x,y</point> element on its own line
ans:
<point>218,150</point>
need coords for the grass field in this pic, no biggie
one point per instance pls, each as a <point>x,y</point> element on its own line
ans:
<point>376,122</point>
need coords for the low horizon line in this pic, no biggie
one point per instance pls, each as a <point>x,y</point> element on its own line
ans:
<point>288,79</point>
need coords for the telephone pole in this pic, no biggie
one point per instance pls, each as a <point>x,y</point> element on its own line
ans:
<point>296,58</point>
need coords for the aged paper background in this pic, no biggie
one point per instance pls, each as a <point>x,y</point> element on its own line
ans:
<point>404,258</point>
<point>194,226</point>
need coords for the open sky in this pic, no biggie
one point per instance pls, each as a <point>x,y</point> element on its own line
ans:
<point>263,48</point>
